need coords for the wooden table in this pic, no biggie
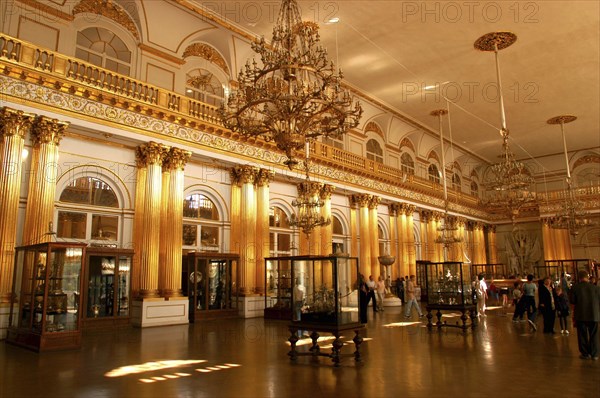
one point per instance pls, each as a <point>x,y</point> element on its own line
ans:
<point>471,309</point>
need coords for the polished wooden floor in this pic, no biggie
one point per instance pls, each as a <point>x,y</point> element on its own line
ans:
<point>247,358</point>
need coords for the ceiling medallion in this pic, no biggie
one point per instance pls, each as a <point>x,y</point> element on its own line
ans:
<point>294,94</point>
<point>509,186</point>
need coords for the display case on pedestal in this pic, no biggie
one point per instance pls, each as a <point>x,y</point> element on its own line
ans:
<point>46,302</point>
<point>322,298</point>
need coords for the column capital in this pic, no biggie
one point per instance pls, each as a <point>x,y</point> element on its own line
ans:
<point>264,177</point>
<point>407,209</point>
<point>151,153</point>
<point>374,202</point>
<point>14,122</point>
<point>176,159</point>
<point>361,199</point>
<point>394,208</point>
<point>309,187</point>
<point>425,214</point>
<point>47,130</point>
<point>327,191</point>
<point>244,174</point>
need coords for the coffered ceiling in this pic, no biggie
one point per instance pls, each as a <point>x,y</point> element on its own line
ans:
<point>393,50</point>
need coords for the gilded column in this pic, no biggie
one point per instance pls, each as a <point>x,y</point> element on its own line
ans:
<point>314,191</point>
<point>402,241</point>
<point>153,155</point>
<point>354,228</point>
<point>374,235</point>
<point>13,127</point>
<point>410,237</point>
<point>327,231</point>
<point>478,244</point>
<point>172,226</point>
<point>393,212</point>
<point>247,175</point>
<point>138,227</point>
<point>165,233</point>
<point>460,247</point>
<point>364,228</point>
<point>46,135</point>
<point>262,226</point>
<point>235,217</point>
<point>492,244</point>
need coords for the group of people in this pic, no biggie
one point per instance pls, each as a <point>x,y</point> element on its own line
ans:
<point>371,290</point>
<point>554,301</point>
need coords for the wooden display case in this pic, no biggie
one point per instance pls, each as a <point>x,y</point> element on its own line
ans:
<point>107,287</point>
<point>208,280</point>
<point>46,302</point>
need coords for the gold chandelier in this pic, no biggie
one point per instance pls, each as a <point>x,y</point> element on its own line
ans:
<point>295,95</point>
<point>508,183</point>
<point>447,232</point>
<point>309,202</point>
<point>572,216</point>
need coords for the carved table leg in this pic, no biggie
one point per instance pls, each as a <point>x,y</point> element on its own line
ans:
<point>429,317</point>
<point>335,351</point>
<point>293,340</point>
<point>464,318</point>
<point>473,315</point>
<point>439,323</point>
<point>315,347</point>
<point>357,341</point>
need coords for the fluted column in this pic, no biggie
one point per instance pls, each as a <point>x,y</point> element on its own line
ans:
<point>164,235</point>
<point>262,227</point>
<point>138,227</point>
<point>374,235</point>
<point>402,241</point>
<point>410,235</point>
<point>327,230</point>
<point>365,237</point>
<point>172,223</point>
<point>13,127</point>
<point>492,244</point>
<point>393,212</point>
<point>354,228</point>
<point>236,216</point>
<point>46,136</point>
<point>247,176</point>
<point>153,156</point>
<point>478,244</point>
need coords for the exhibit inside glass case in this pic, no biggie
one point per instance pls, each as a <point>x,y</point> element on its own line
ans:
<point>107,286</point>
<point>278,283</point>
<point>44,313</point>
<point>448,283</point>
<point>210,284</point>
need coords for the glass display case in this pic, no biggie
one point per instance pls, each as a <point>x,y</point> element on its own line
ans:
<point>490,271</point>
<point>107,287</point>
<point>317,289</point>
<point>47,285</point>
<point>278,297</point>
<point>209,283</point>
<point>555,268</point>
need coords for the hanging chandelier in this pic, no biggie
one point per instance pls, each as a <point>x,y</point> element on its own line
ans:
<point>309,202</point>
<point>509,186</point>
<point>295,95</point>
<point>448,231</point>
<point>572,216</point>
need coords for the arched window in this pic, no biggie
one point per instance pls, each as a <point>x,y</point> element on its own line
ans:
<point>374,151</point>
<point>433,173</point>
<point>337,235</point>
<point>280,233</point>
<point>88,209</point>
<point>203,86</point>
<point>201,227</point>
<point>456,182</point>
<point>103,48</point>
<point>408,164</point>
<point>474,188</point>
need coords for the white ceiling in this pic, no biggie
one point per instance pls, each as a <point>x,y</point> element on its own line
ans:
<point>390,50</point>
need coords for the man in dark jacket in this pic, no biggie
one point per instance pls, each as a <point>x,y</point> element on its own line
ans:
<point>586,298</point>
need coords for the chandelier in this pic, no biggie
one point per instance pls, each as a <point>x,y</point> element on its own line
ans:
<point>572,216</point>
<point>308,203</point>
<point>508,184</point>
<point>447,232</point>
<point>295,95</point>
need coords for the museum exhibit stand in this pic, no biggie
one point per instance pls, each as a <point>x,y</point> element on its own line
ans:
<point>107,287</point>
<point>46,302</point>
<point>555,268</point>
<point>210,285</point>
<point>321,293</point>
<point>278,282</point>
<point>449,288</point>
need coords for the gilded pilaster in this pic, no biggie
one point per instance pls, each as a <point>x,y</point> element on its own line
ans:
<point>410,237</point>
<point>247,176</point>
<point>172,223</point>
<point>164,233</point>
<point>364,228</point>
<point>138,227</point>
<point>353,228</point>
<point>13,127</point>
<point>393,212</point>
<point>402,259</point>
<point>153,156</point>
<point>374,235</point>
<point>236,205</point>
<point>262,227</point>
<point>478,244</point>
<point>46,135</point>
<point>492,244</point>
<point>327,230</point>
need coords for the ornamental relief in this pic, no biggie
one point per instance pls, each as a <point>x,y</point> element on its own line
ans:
<point>110,10</point>
<point>83,106</point>
<point>208,53</point>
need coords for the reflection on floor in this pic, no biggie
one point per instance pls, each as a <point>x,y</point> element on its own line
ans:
<point>247,358</point>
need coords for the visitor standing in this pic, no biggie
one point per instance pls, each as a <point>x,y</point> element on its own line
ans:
<point>518,304</point>
<point>586,298</point>
<point>481,290</point>
<point>529,291</point>
<point>372,285</point>
<point>363,295</point>
<point>411,298</point>
<point>380,288</point>
<point>400,289</point>
<point>563,310</point>
<point>547,306</point>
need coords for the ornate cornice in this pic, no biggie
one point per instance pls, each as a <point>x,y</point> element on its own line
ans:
<point>176,159</point>
<point>208,53</point>
<point>151,153</point>
<point>48,131</point>
<point>110,10</point>
<point>15,122</point>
